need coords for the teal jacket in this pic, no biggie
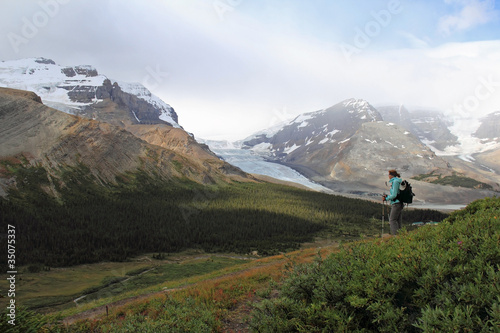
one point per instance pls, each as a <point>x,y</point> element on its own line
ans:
<point>395,183</point>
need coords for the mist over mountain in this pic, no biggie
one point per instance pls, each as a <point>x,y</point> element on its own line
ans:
<point>429,126</point>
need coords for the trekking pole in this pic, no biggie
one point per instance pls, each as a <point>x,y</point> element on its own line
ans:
<point>383,217</point>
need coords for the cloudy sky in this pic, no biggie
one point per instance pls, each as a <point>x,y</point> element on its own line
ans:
<point>233,67</point>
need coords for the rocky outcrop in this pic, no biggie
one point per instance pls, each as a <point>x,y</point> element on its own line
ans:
<point>428,126</point>
<point>45,61</point>
<point>489,130</point>
<point>141,111</point>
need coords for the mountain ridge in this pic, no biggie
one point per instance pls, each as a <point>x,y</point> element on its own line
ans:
<point>354,153</point>
<point>81,90</point>
<point>42,136</point>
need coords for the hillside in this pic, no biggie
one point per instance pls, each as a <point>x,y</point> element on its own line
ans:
<point>442,279</point>
<point>33,134</point>
<point>436,278</point>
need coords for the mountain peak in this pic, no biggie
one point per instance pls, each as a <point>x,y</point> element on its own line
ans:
<point>356,103</point>
<point>81,90</point>
<point>362,107</point>
<point>46,61</point>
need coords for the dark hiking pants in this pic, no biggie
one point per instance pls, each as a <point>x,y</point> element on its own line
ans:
<point>396,217</point>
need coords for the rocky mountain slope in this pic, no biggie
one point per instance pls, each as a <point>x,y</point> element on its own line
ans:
<point>489,134</point>
<point>489,130</point>
<point>315,139</point>
<point>347,141</point>
<point>82,91</point>
<point>429,126</point>
<point>34,134</point>
<point>349,148</point>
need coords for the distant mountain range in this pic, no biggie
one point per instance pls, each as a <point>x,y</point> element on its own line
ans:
<point>350,146</point>
<point>347,147</point>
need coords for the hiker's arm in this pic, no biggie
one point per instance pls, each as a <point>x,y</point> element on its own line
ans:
<point>394,192</point>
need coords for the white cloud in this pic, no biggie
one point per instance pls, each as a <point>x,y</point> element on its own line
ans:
<point>228,76</point>
<point>472,13</point>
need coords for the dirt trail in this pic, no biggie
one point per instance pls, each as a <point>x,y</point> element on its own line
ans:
<point>101,310</point>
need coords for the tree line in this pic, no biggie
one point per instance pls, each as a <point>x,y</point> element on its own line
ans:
<point>87,222</point>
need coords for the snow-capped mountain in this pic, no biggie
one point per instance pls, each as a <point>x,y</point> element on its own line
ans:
<point>350,146</point>
<point>430,126</point>
<point>81,90</point>
<point>315,138</point>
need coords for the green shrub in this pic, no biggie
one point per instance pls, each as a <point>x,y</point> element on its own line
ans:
<point>436,279</point>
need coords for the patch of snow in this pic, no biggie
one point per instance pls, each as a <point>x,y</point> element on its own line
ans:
<point>289,150</point>
<point>467,158</point>
<point>262,148</point>
<point>343,141</point>
<point>332,133</point>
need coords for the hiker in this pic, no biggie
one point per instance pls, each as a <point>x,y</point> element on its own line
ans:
<point>396,216</point>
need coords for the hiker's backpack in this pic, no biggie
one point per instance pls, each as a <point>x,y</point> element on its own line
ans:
<point>405,194</point>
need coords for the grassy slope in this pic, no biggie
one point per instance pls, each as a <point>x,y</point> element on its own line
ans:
<point>437,278</point>
<point>442,278</point>
<point>239,206</point>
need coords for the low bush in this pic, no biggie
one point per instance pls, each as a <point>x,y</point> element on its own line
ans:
<point>436,279</point>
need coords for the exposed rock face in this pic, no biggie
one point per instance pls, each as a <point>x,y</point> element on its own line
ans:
<point>378,147</point>
<point>142,111</point>
<point>53,139</point>
<point>82,91</point>
<point>316,139</point>
<point>45,61</point>
<point>489,130</point>
<point>430,127</point>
